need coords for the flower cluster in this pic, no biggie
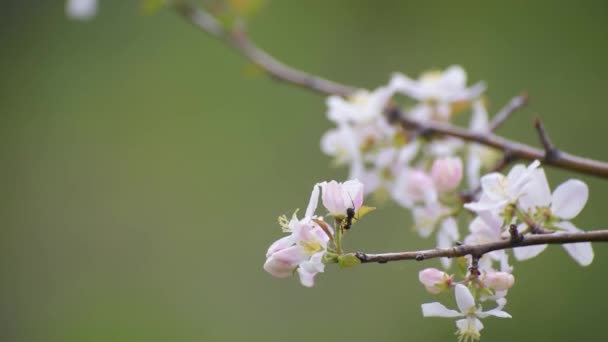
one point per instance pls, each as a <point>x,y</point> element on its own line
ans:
<point>426,175</point>
<point>419,174</point>
<point>311,241</point>
<point>517,204</point>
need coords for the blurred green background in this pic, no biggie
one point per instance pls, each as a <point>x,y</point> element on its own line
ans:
<point>143,169</point>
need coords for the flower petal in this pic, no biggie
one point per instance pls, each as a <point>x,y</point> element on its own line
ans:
<point>464,298</point>
<point>313,202</point>
<point>581,252</point>
<point>438,310</point>
<point>529,252</point>
<point>306,278</point>
<point>569,198</point>
<point>537,192</point>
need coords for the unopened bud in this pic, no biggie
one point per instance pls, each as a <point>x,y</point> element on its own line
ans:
<point>434,280</point>
<point>447,173</point>
<point>499,281</point>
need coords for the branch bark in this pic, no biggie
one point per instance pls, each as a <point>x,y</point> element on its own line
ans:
<point>239,41</point>
<point>479,250</point>
<point>280,71</point>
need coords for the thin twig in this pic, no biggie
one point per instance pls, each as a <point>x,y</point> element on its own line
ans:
<point>551,152</point>
<point>516,103</point>
<point>240,42</point>
<point>280,71</point>
<point>479,250</point>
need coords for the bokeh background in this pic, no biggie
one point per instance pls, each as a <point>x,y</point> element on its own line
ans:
<point>143,167</point>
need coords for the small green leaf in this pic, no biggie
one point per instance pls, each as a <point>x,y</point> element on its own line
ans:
<point>348,260</point>
<point>364,210</point>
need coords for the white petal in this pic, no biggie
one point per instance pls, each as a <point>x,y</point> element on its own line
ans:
<point>493,186</point>
<point>537,192</point>
<point>438,310</point>
<point>485,204</point>
<point>313,202</point>
<point>528,252</point>
<point>464,325</point>
<point>569,198</point>
<point>495,313</point>
<point>581,252</point>
<point>464,298</point>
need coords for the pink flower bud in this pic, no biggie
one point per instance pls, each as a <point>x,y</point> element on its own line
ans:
<point>447,173</point>
<point>499,281</point>
<point>338,197</point>
<point>434,280</point>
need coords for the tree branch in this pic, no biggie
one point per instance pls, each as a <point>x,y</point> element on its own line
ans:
<point>517,150</point>
<point>280,71</point>
<point>241,43</point>
<point>479,250</point>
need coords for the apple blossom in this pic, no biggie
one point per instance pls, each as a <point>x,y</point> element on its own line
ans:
<point>361,107</point>
<point>470,326</point>
<point>302,250</point>
<point>447,173</point>
<point>498,190</point>
<point>339,197</point>
<point>555,210</point>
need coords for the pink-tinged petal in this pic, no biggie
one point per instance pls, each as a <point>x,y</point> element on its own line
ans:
<point>569,199</point>
<point>529,252</point>
<point>280,244</point>
<point>447,173</point>
<point>464,298</point>
<point>581,252</point>
<point>282,263</point>
<point>306,278</point>
<point>353,189</point>
<point>279,268</point>
<point>438,310</point>
<point>315,264</point>
<point>537,192</point>
<point>313,202</point>
<point>332,198</point>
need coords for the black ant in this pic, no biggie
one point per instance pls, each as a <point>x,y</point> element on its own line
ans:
<point>350,215</point>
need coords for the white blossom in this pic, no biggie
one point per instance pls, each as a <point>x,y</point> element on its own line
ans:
<point>470,326</point>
